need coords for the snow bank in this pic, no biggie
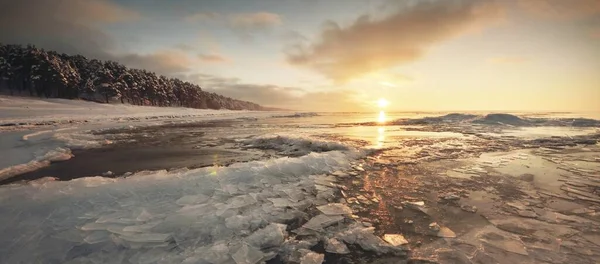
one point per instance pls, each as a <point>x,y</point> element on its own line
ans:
<point>235,214</point>
<point>22,111</point>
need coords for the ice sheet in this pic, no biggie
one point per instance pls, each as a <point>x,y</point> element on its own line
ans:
<point>168,216</point>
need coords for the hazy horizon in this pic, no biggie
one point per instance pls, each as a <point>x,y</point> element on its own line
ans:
<point>432,55</point>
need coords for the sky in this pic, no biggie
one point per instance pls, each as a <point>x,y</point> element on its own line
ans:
<point>340,55</point>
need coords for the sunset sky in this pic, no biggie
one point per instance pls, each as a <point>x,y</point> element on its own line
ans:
<point>340,55</point>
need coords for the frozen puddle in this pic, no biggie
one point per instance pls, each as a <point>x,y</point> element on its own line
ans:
<point>237,214</point>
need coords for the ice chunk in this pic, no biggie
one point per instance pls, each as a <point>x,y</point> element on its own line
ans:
<point>446,232</point>
<point>395,239</point>
<point>294,194</point>
<point>146,237</point>
<point>97,237</point>
<point>312,258</point>
<point>141,228</point>
<point>321,221</point>
<point>335,209</point>
<point>335,246</point>
<point>144,216</point>
<point>365,238</point>
<point>339,174</point>
<point>240,201</point>
<point>247,255</point>
<point>527,213</point>
<point>238,222</point>
<point>192,199</point>
<point>281,202</point>
<point>272,235</point>
<point>416,204</point>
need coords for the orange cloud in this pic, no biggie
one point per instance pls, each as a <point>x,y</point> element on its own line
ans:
<point>595,33</point>
<point>369,45</point>
<point>507,60</point>
<point>162,62</point>
<point>258,20</point>
<point>561,9</point>
<point>214,58</point>
<point>254,20</point>
<point>203,16</point>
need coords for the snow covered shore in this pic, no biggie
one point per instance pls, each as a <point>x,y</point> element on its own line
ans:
<point>25,110</point>
<point>35,131</point>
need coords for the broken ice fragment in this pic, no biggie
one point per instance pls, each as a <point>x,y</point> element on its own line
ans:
<point>335,246</point>
<point>517,205</point>
<point>321,221</point>
<point>419,203</point>
<point>528,214</point>
<point>434,226</point>
<point>469,208</point>
<point>451,197</point>
<point>312,258</point>
<point>335,209</point>
<point>395,239</point>
<point>446,232</point>
<point>144,216</point>
<point>192,199</point>
<point>281,202</point>
<point>146,237</point>
<point>358,168</point>
<point>97,237</point>
<point>247,255</point>
<point>272,235</point>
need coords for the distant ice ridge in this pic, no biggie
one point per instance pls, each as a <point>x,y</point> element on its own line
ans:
<point>500,119</point>
<point>234,214</point>
<point>296,115</point>
<point>292,145</point>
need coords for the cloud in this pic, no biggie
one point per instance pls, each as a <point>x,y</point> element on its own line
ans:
<point>561,9</point>
<point>185,47</point>
<point>75,27</point>
<point>161,62</point>
<point>277,96</point>
<point>245,25</point>
<point>507,60</point>
<point>595,33</point>
<point>211,57</point>
<point>203,16</point>
<point>253,21</point>
<point>70,26</point>
<point>368,45</point>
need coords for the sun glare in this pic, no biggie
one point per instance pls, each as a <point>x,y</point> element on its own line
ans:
<point>382,103</point>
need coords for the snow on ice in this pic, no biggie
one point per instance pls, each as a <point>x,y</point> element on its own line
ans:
<point>184,217</point>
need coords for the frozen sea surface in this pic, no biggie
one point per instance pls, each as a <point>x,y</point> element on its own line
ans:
<point>333,187</point>
<point>163,217</point>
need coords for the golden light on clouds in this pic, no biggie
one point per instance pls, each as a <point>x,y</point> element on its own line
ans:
<point>370,44</point>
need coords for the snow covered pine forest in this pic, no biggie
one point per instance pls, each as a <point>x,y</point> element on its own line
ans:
<point>30,71</point>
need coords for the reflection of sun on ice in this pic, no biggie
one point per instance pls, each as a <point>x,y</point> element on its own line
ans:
<point>382,103</point>
<point>381,118</point>
<point>380,136</point>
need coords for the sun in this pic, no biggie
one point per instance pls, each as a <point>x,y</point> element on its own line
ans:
<point>382,103</point>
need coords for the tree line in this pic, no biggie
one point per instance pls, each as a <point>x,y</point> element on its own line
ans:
<point>36,72</point>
